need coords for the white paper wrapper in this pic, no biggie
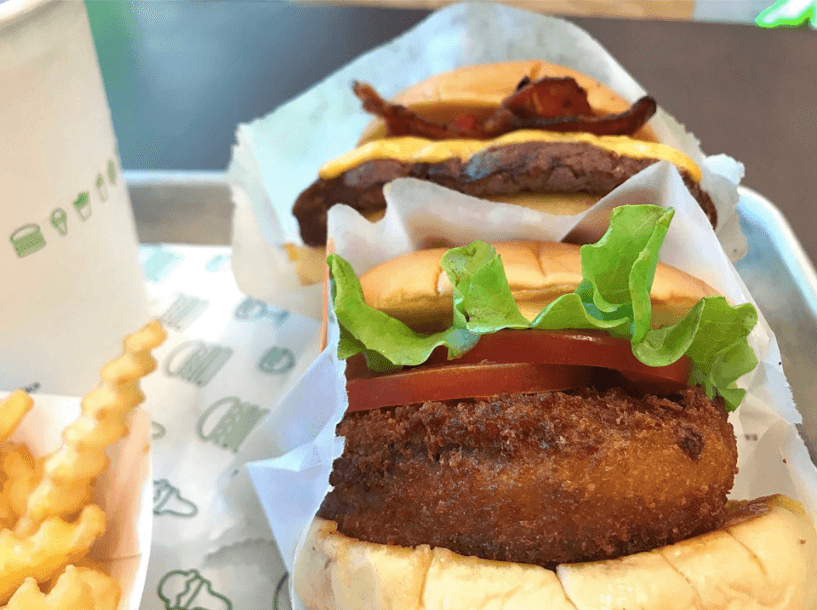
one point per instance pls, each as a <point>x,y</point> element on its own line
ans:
<point>124,491</point>
<point>772,458</point>
<point>276,157</point>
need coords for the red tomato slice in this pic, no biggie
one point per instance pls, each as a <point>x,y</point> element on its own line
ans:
<point>513,361</point>
<point>453,381</point>
<point>566,347</point>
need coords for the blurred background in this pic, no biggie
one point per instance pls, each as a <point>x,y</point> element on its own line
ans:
<point>180,76</point>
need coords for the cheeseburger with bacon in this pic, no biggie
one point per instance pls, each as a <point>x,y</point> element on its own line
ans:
<point>547,426</point>
<point>528,133</point>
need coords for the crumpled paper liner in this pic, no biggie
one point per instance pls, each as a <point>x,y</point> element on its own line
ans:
<point>278,156</point>
<point>292,486</point>
<point>124,491</point>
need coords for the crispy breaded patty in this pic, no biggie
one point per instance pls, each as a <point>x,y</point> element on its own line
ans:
<point>545,479</point>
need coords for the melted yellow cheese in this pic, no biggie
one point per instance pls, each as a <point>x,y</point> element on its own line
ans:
<point>561,204</point>
<point>420,150</point>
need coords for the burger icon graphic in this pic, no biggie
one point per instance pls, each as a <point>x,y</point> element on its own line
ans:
<point>189,590</point>
<point>27,240</point>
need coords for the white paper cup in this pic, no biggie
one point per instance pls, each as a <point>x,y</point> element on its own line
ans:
<point>70,282</point>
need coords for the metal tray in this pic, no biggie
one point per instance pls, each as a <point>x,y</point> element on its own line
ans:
<point>195,207</point>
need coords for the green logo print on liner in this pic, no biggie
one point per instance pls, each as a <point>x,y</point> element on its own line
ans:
<point>189,590</point>
<point>168,501</point>
<point>788,13</point>
<point>196,361</point>
<point>158,262</point>
<point>217,263</point>
<point>234,420</point>
<point>82,204</point>
<point>27,240</point>
<point>111,172</point>
<point>253,309</point>
<point>60,221</point>
<point>277,361</point>
<point>183,312</point>
<point>281,599</point>
<point>157,430</point>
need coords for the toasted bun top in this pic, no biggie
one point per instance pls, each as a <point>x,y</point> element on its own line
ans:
<point>415,289</point>
<point>480,89</point>
<point>763,558</point>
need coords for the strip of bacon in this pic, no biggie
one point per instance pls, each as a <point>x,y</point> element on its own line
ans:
<point>623,124</point>
<point>548,97</point>
<point>518,111</point>
<point>400,121</point>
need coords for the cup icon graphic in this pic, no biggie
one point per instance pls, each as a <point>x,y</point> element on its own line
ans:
<point>112,171</point>
<point>168,501</point>
<point>60,221</point>
<point>102,187</point>
<point>82,204</point>
<point>189,590</point>
<point>27,240</point>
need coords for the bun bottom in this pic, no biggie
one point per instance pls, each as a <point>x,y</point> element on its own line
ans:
<point>763,557</point>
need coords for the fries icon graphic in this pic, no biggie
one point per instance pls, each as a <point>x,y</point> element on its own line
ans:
<point>49,523</point>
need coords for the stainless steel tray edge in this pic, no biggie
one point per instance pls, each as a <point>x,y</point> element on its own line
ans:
<point>782,279</point>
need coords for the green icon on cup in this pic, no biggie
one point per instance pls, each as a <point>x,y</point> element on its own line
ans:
<point>189,590</point>
<point>60,221</point>
<point>27,240</point>
<point>111,172</point>
<point>82,204</point>
<point>102,187</point>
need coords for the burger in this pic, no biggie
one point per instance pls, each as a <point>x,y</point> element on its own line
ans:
<point>527,133</point>
<point>542,425</point>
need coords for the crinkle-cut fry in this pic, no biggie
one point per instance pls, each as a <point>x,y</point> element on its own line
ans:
<point>72,591</point>
<point>81,458</point>
<point>55,545</point>
<point>22,474</point>
<point>106,590</point>
<point>13,409</point>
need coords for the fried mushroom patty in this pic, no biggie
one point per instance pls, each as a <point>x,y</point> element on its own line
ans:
<point>544,479</point>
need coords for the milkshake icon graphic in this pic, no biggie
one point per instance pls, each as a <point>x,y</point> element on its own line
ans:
<point>168,501</point>
<point>189,590</point>
<point>59,219</point>
<point>82,205</point>
<point>27,240</point>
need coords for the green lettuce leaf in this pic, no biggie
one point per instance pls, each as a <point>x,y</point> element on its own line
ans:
<point>483,302</point>
<point>387,343</point>
<point>614,296</point>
